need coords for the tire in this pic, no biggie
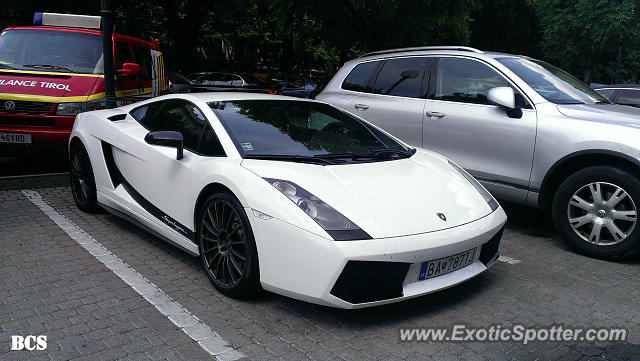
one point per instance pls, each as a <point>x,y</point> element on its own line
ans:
<point>577,199</point>
<point>227,246</point>
<point>83,184</point>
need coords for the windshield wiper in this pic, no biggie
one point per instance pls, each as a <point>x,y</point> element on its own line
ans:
<point>379,153</point>
<point>49,66</point>
<point>5,66</point>
<point>291,158</point>
<point>373,154</point>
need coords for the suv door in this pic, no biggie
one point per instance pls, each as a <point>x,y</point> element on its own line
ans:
<point>153,170</point>
<point>395,101</point>
<point>463,125</point>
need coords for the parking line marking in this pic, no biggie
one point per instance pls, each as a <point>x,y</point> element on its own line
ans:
<point>509,260</point>
<point>191,325</point>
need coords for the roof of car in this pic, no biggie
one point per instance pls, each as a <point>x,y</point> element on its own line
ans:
<point>617,86</point>
<point>86,31</point>
<point>424,50</point>
<point>224,96</point>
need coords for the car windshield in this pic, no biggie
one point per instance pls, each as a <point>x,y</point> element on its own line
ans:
<point>301,129</point>
<point>51,50</point>
<point>554,84</point>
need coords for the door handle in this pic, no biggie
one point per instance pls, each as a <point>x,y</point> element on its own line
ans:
<point>434,114</point>
<point>361,106</point>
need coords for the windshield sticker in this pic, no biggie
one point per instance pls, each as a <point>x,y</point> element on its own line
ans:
<point>246,146</point>
<point>34,83</point>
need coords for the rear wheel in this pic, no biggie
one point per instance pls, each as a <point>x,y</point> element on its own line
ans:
<point>83,184</point>
<point>596,210</point>
<point>227,247</point>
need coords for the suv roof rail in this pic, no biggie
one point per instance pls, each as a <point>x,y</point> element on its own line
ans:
<point>418,48</point>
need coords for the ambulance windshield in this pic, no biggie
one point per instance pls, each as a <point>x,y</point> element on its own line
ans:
<point>51,51</point>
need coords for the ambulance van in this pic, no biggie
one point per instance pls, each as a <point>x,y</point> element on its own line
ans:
<point>53,70</point>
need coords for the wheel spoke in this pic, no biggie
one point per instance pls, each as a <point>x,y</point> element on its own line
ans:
<point>615,198</point>
<point>235,265</point>
<point>237,254</point>
<point>219,214</point>
<point>581,203</point>
<point>616,232</point>
<point>235,229</point>
<point>211,265</point>
<point>210,229</point>
<point>594,237</point>
<point>214,224</point>
<point>230,270</point>
<point>596,192</point>
<point>580,221</point>
<point>629,216</point>
<point>229,219</point>
<point>219,266</point>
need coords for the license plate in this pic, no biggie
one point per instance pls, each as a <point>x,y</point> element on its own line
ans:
<point>19,138</point>
<point>446,265</point>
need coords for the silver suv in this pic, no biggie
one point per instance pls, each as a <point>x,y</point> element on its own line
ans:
<point>530,132</point>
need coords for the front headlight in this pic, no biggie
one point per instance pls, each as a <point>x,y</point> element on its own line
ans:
<point>70,108</point>
<point>485,193</point>
<point>333,222</point>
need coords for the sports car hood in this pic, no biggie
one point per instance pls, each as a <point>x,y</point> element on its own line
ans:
<point>604,113</point>
<point>389,198</point>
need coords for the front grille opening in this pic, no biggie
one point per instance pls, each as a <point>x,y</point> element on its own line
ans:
<point>26,107</point>
<point>368,281</point>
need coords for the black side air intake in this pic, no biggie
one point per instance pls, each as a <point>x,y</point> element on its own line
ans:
<point>490,249</point>
<point>368,281</point>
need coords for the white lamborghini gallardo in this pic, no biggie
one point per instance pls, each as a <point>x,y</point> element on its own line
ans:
<point>292,196</point>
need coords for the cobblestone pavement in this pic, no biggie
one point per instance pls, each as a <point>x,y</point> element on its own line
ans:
<point>50,285</point>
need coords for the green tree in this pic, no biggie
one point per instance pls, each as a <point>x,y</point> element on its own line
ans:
<point>583,36</point>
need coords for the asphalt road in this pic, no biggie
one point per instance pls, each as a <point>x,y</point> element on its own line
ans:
<point>54,284</point>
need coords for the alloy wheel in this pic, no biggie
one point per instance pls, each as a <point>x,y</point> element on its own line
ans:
<point>81,176</point>
<point>224,243</point>
<point>602,213</point>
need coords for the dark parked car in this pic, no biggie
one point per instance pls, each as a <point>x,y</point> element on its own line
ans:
<point>625,94</point>
<point>298,86</point>
<point>237,82</point>
<point>178,83</point>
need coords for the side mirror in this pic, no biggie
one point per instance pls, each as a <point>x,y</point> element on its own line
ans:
<point>129,69</point>
<point>502,96</point>
<point>167,139</point>
<point>505,97</point>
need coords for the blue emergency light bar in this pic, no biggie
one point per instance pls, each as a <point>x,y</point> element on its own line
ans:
<point>68,20</point>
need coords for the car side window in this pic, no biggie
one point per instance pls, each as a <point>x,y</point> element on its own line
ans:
<point>359,77</point>
<point>175,115</point>
<point>629,97</point>
<point>123,54</point>
<point>607,93</point>
<point>401,77</point>
<point>468,81</point>
<point>294,83</point>
<point>210,144</point>
<point>143,58</point>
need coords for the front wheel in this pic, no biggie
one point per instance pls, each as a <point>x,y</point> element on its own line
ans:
<point>83,184</point>
<point>227,247</point>
<point>595,210</point>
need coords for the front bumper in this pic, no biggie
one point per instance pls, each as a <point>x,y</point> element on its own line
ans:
<point>302,265</point>
<point>47,131</point>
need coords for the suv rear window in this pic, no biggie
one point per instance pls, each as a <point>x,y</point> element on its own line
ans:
<point>359,77</point>
<point>401,77</point>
